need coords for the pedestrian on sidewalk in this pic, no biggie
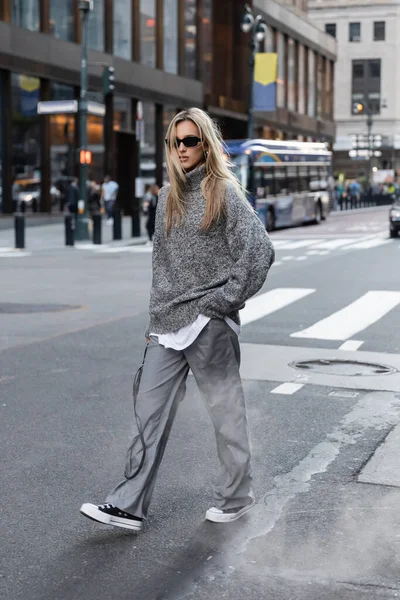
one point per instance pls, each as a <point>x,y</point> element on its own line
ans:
<point>211,254</point>
<point>73,196</point>
<point>109,192</point>
<point>150,207</point>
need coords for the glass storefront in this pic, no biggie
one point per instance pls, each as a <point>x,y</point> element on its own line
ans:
<point>62,19</point>
<point>280,83</point>
<point>291,75</point>
<point>26,14</point>
<point>319,98</point>
<point>301,92</point>
<point>26,146</point>
<point>148,32</point>
<point>122,114</point>
<point>190,39</point>
<point>96,26</point>
<point>207,45</point>
<point>311,84</point>
<point>95,133</point>
<point>148,145</point>
<point>62,146</point>
<point>123,28</point>
<point>171,36</point>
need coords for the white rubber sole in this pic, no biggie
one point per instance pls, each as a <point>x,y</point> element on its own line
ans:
<point>214,515</point>
<point>92,512</point>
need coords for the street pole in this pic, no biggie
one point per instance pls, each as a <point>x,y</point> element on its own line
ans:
<point>82,221</point>
<point>252,63</point>
<point>258,28</point>
<point>370,146</point>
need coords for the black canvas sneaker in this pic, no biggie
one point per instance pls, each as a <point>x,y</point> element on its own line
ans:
<point>216,515</point>
<point>111,515</point>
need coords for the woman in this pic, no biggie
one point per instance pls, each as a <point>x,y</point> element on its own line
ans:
<point>211,253</point>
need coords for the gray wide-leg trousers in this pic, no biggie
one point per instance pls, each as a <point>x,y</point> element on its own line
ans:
<point>214,358</point>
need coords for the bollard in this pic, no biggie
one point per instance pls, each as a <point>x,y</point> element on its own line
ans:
<point>19,224</point>
<point>69,230</point>
<point>97,220</point>
<point>117,225</point>
<point>135,225</point>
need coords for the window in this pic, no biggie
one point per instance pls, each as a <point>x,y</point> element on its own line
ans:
<point>26,14</point>
<point>379,31</point>
<point>190,39</point>
<point>354,32</point>
<point>62,19</point>
<point>374,68</point>
<point>26,143</point>
<point>123,28</point>
<point>311,83</point>
<point>171,36</point>
<point>358,70</point>
<point>62,137</point>
<point>366,86</point>
<point>148,32</point>
<point>330,29</point>
<point>96,26</point>
<point>291,65</point>
<point>280,82</point>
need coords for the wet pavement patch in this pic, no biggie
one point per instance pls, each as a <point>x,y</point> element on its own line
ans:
<point>15,308</point>
<point>350,368</point>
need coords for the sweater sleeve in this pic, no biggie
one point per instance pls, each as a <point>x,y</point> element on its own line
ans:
<point>253,254</point>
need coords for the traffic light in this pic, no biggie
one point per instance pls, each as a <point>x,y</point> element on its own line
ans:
<point>85,157</point>
<point>108,80</point>
<point>358,108</point>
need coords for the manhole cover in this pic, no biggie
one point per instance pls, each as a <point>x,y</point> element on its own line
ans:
<point>16,308</point>
<point>350,368</point>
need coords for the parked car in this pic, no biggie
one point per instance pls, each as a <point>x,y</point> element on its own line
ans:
<point>29,195</point>
<point>394,218</point>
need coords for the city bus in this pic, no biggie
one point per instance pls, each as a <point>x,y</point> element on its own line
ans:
<point>289,182</point>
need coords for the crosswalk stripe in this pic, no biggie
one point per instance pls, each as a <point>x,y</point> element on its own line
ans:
<point>374,243</point>
<point>287,389</point>
<point>291,245</point>
<point>270,302</point>
<point>351,345</point>
<point>333,244</point>
<point>355,317</point>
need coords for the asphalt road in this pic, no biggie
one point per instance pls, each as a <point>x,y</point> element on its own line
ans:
<point>71,337</point>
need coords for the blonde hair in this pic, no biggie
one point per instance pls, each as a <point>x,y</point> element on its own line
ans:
<point>217,169</point>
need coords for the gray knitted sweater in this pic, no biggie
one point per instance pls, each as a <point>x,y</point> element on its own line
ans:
<point>209,272</point>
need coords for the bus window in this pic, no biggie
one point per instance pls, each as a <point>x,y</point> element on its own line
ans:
<point>323,177</point>
<point>314,178</point>
<point>292,179</point>
<point>280,180</point>
<point>303,179</point>
<point>268,181</point>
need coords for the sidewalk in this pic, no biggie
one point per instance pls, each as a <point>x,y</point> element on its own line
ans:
<point>52,237</point>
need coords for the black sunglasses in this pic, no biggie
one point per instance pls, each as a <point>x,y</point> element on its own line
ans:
<point>189,141</point>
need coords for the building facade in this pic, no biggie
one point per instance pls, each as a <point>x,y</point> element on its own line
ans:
<point>366,80</point>
<point>167,55</point>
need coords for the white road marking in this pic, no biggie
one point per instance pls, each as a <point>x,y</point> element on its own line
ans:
<point>333,244</point>
<point>287,258</point>
<point>270,302</point>
<point>13,253</point>
<point>301,258</point>
<point>355,317</point>
<point>351,345</point>
<point>277,263</point>
<point>318,252</point>
<point>291,245</point>
<point>287,389</point>
<point>367,244</point>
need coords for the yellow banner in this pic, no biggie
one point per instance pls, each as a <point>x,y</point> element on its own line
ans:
<point>265,68</point>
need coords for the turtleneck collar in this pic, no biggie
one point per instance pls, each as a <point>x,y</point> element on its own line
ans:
<point>195,177</point>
